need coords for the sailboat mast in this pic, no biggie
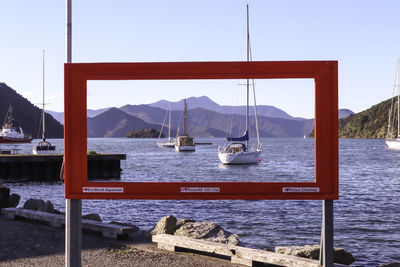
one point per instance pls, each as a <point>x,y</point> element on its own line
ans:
<point>184,118</point>
<point>398,99</point>
<point>169,124</point>
<point>43,121</point>
<point>247,83</point>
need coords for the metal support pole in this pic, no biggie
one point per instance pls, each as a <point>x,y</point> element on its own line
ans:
<point>68,40</point>
<point>73,207</point>
<point>73,232</point>
<point>326,245</point>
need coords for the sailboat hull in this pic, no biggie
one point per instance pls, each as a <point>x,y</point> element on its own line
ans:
<point>166,145</point>
<point>184,148</point>
<point>49,150</point>
<point>393,143</point>
<point>43,147</point>
<point>11,140</point>
<point>243,157</point>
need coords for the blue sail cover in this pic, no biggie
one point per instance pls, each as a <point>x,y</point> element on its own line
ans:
<point>244,137</point>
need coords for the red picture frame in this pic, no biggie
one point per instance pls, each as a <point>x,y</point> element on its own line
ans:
<point>324,73</point>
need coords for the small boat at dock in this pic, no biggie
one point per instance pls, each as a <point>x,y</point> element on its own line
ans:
<point>44,147</point>
<point>11,132</point>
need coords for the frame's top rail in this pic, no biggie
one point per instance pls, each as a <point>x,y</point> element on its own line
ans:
<point>325,74</point>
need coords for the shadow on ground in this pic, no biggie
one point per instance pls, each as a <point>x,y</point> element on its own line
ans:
<point>27,239</point>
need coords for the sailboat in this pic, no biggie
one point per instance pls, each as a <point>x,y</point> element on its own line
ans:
<point>392,137</point>
<point>44,147</point>
<point>185,142</point>
<point>238,150</point>
<point>170,143</point>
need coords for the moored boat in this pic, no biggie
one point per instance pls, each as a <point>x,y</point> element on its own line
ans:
<point>44,147</point>
<point>185,142</point>
<point>238,151</point>
<point>11,132</point>
<point>170,143</point>
<point>393,135</point>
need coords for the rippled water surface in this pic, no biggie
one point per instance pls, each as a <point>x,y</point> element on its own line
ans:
<point>367,221</point>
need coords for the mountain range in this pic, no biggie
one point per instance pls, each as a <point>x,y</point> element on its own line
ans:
<point>206,118</point>
<point>27,115</point>
<point>115,123</point>
<point>193,103</point>
<point>205,102</point>
<point>344,113</point>
<point>201,123</point>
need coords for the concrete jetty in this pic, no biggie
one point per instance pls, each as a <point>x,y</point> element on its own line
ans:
<point>27,167</point>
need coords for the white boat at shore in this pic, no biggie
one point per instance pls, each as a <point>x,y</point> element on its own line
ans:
<point>185,142</point>
<point>393,135</point>
<point>238,151</point>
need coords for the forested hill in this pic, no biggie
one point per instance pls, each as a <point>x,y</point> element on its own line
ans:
<point>26,114</point>
<point>370,123</point>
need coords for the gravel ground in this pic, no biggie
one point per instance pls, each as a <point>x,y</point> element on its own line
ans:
<point>25,243</point>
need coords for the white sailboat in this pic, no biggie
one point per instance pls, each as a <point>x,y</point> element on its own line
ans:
<point>171,142</point>
<point>392,137</point>
<point>238,150</point>
<point>44,147</point>
<point>185,142</point>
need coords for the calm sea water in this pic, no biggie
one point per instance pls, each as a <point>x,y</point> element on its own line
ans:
<point>366,215</point>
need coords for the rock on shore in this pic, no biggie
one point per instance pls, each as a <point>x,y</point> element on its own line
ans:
<point>39,205</point>
<point>197,230</point>
<point>207,231</point>
<point>13,201</point>
<point>166,225</point>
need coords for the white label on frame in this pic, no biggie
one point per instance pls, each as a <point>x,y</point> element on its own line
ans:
<point>199,189</point>
<point>103,189</point>
<point>300,189</point>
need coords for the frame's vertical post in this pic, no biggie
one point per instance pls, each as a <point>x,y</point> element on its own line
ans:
<point>73,207</point>
<point>326,246</point>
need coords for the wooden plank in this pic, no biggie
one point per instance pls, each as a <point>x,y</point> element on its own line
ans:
<point>194,244</point>
<point>58,220</point>
<point>274,258</point>
<point>238,254</point>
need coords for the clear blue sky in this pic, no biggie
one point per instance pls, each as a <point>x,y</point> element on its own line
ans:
<point>362,35</point>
